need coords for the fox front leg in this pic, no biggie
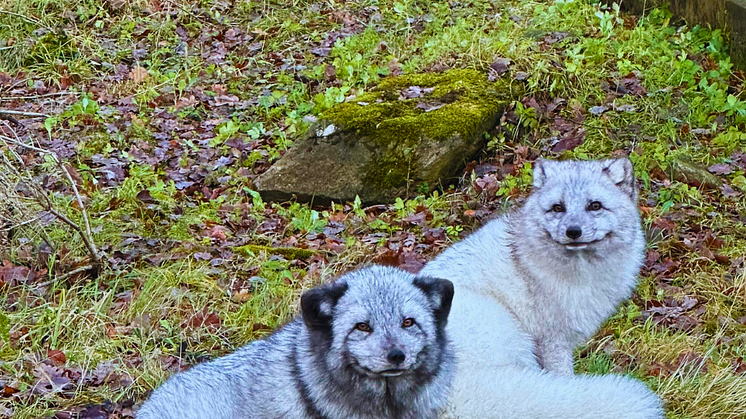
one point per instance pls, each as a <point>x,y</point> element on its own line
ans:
<point>554,355</point>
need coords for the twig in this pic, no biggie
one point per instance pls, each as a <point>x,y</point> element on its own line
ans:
<point>64,277</point>
<point>66,92</point>
<point>22,113</point>
<point>87,239</point>
<point>75,271</point>
<point>92,246</point>
<point>44,201</point>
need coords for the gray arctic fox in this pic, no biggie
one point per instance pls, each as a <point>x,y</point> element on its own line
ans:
<point>533,284</point>
<point>371,345</point>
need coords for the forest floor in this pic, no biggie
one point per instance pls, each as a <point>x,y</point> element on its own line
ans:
<point>162,112</point>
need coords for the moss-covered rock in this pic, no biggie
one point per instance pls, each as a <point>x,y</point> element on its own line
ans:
<point>693,174</point>
<point>408,131</point>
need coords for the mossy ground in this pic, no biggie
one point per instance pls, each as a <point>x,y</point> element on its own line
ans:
<point>167,110</point>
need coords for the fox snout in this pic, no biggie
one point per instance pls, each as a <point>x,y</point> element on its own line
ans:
<point>574,232</point>
<point>396,356</point>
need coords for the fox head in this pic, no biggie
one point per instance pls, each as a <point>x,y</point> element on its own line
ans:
<point>583,206</point>
<point>379,323</point>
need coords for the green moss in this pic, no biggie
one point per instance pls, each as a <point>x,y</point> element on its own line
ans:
<point>460,104</point>
<point>52,46</point>
<point>288,252</point>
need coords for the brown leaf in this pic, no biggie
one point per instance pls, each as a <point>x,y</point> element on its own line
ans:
<point>721,259</point>
<point>706,253</point>
<point>144,196</point>
<point>720,169</point>
<point>419,218</point>
<point>568,143</point>
<point>9,391</point>
<point>115,4</point>
<point>659,369</point>
<point>138,74</point>
<point>714,242</point>
<point>330,73</point>
<point>203,318</point>
<point>411,261</point>
<point>259,326</point>
<point>14,275</point>
<point>202,255</point>
<point>663,224</point>
<point>729,192</point>
<point>413,92</point>
<point>57,357</point>
<point>218,233</point>
<point>394,67</point>
<point>499,67</point>
<point>739,366</point>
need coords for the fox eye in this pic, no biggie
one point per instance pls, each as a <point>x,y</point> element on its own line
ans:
<point>408,322</point>
<point>363,327</point>
<point>594,206</point>
<point>558,208</point>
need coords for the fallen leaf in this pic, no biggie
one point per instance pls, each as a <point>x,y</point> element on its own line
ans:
<point>413,92</point>
<point>138,74</point>
<point>598,110</point>
<point>720,169</point>
<point>57,357</point>
<point>498,68</point>
<point>428,107</point>
<point>14,275</point>
<point>330,73</point>
<point>144,196</point>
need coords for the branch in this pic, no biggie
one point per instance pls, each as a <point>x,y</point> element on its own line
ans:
<point>22,113</point>
<point>44,201</point>
<point>34,97</point>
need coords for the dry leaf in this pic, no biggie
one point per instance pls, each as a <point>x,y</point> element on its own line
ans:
<point>138,74</point>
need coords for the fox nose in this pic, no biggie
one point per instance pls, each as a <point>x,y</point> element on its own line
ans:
<point>396,356</point>
<point>574,232</point>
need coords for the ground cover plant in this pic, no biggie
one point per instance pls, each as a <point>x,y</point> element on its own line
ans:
<point>154,116</point>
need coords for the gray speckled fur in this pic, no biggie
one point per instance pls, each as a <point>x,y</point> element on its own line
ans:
<point>524,298</point>
<point>320,366</point>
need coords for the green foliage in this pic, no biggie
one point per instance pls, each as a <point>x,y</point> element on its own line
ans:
<point>511,183</point>
<point>353,57</point>
<point>86,107</point>
<point>169,243</point>
<point>730,140</point>
<point>4,328</point>
<point>302,218</point>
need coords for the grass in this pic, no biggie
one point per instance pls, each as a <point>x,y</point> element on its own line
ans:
<point>170,108</point>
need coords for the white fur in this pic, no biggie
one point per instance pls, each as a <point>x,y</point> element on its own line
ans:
<point>523,300</point>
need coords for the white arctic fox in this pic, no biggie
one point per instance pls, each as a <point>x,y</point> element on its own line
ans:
<point>532,285</point>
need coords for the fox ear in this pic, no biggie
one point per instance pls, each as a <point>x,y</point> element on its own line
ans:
<point>540,172</point>
<point>621,172</point>
<point>317,304</point>
<point>440,294</point>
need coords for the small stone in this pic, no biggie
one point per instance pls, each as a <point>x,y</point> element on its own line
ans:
<point>693,174</point>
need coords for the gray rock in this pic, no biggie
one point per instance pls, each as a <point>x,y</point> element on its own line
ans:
<point>408,134</point>
<point>693,174</point>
